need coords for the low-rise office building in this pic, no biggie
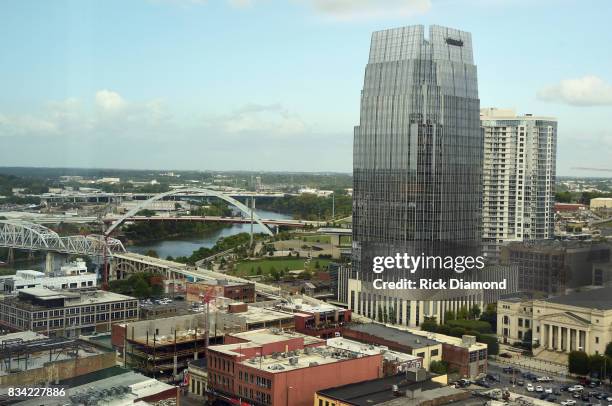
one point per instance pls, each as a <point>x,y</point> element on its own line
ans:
<point>396,339</point>
<point>576,321</point>
<point>66,313</point>
<point>465,355</point>
<point>394,362</point>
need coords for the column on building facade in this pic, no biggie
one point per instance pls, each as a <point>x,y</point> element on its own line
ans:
<point>559,338</point>
<point>587,347</point>
<point>568,346</point>
<point>550,337</point>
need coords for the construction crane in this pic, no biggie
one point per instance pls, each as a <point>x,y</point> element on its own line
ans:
<point>206,298</point>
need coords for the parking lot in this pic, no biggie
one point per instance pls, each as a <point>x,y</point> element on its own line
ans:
<point>589,396</point>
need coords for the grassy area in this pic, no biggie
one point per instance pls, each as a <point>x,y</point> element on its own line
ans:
<point>7,271</point>
<point>325,239</point>
<point>249,268</point>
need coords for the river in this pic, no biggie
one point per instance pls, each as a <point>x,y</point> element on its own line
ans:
<point>183,247</point>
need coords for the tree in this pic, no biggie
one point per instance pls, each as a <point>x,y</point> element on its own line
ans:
<point>490,316</point>
<point>609,350</point>
<point>429,325</point>
<point>152,253</point>
<point>578,362</point>
<point>462,313</point>
<point>490,341</point>
<point>392,315</point>
<point>475,312</point>
<point>456,331</point>
<point>596,364</point>
<point>141,289</point>
<point>563,197</point>
<point>438,367</point>
<point>449,315</point>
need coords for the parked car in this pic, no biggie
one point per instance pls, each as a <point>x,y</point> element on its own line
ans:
<point>545,379</point>
<point>530,388</point>
<point>539,388</point>
<point>520,383</point>
<point>548,390</point>
<point>568,402</point>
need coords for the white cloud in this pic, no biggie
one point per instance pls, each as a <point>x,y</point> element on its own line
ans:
<point>240,3</point>
<point>267,119</point>
<point>370,9</point>
<point>109,101</point>
<point>585,91</point>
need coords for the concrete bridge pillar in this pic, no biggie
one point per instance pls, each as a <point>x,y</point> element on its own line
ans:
<point>49,263</point>
<point>11,256</point>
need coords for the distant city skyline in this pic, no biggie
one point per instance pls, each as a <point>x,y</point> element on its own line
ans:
<point>264,85</point>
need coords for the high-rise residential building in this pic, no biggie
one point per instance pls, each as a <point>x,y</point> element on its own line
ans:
<point>518,178</point>
<point>417,167</point>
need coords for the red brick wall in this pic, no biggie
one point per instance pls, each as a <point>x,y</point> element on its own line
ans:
<point>117,335</point>
<point>297,387</point>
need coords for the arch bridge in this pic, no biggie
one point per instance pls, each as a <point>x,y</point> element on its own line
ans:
<point>200,191</point>
<point>28,236</point>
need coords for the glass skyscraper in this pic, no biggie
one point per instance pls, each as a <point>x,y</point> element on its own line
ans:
<point>417,156</point>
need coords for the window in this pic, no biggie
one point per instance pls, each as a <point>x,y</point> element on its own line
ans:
<point>421,354</point>
<point>434,353</point>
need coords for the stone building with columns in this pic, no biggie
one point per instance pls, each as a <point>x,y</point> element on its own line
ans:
<point>576,321</point>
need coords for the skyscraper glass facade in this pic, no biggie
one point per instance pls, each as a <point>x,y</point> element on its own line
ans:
<point>417,161</point>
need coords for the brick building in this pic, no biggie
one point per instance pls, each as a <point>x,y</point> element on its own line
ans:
<point>242,292</point>
<point>324,320</point>
<point>270,367</point>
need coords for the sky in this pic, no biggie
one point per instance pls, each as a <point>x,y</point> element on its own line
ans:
<point>272,85</point>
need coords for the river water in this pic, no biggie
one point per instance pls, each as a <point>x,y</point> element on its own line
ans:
<point>185,246</point>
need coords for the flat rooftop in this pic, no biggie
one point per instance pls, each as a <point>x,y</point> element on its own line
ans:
<point>446,339</point>
<point>305,307</point>
<point>300,359</point>
<point>342,343</point>
<point>118,390</point>
<point>395,335</point>
<point>22,335</point>
<point>75,298</point>
<point>377,391</point>
<point>266,336</point>
<point>258,338</point>
<point>600,299</point>
<point>259,314</point>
